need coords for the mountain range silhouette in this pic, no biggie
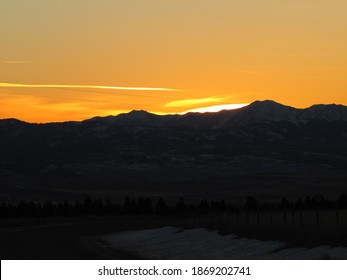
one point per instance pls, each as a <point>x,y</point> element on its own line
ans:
<point>255,112</point>
<point>265,146</point>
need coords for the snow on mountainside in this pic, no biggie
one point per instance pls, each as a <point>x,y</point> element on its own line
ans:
<point>261,138</point>
<point>271,111</point>
<point>265,111</point>
<point>258,111</point>
<point>330,112</point>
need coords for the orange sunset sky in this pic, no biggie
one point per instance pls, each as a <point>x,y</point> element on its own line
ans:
<point>75,59</point>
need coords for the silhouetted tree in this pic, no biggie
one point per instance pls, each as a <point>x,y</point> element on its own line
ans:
<point>342,201</point>
<point>308,203</point>
<point>180,207</point>
<point>144,206</point>
<point>251,203</point>
<point>161,207</point>
<point>129,206</point>
<point>204,207</point>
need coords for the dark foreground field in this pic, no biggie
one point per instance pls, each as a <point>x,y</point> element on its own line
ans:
<point>67,240</point>
<point>78,238</point>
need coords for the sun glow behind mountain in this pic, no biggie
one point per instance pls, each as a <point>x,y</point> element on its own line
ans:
<point>72,60</point>
<point>216,108</point>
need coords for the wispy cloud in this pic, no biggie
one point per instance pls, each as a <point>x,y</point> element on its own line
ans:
<point>17,62</point>
<point>216,108</point>
<point>196,101</point>
<point>11,85</point>
<point>250,72</point>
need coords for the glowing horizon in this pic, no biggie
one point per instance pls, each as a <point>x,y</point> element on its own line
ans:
<point>72,60</point>
<point>216,108</point>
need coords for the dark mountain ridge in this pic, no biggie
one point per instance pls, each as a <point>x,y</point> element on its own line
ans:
<point>195,149</point>
<point>257,111</point>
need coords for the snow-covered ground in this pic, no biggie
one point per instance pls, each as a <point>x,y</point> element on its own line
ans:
<point>174,243</point>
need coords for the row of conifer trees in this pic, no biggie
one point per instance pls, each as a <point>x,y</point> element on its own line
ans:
<point>158,206</point>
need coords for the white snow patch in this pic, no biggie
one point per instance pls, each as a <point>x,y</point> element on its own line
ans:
<point>174,243</point>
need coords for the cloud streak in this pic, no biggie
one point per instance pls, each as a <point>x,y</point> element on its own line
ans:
<point>17,62</point>
<point>250,72</point>
<point>196,101</point>
<point>11,85</point>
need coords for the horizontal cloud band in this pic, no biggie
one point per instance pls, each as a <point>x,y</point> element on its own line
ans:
<point>10,85</point>
<point>190,102</point>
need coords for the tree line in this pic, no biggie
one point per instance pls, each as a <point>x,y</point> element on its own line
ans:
<point>150,206</point>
